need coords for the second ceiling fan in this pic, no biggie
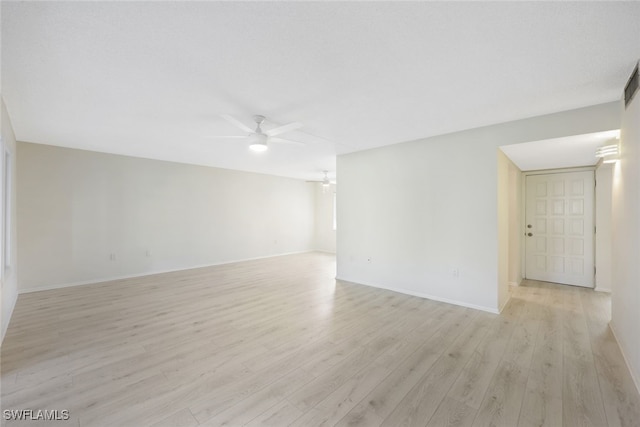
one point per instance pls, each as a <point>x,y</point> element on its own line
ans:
<point>258,138</point>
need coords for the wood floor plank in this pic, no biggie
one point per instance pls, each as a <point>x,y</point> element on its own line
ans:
<point>419,405</point>
<point>182,418</point>
<point>279,341</point>
<point>582,403</point>
<point>577,344</point>
<point>318,389</point>
<point>503,399</point>
<point>383,399</point>
<point>281,414</point>
<point>452,413</point>
<point>257,403</point>
<point>337,404</point>
<point>472,383</point>
<point>542,404</point>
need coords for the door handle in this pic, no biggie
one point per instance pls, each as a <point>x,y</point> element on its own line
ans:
<point>529,234</point>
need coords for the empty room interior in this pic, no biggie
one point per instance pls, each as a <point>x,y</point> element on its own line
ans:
<point>320,213</point>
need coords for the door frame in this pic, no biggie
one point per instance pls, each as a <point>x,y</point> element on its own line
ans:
<point>523,211</point>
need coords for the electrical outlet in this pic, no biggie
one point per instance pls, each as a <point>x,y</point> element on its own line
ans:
<point>148,253</point>
<point>455,273</point>
<point>112,256</point>
<point>369,260</point>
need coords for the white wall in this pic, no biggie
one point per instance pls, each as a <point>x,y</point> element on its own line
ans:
<point>325,235</point>
<point>412,214</point>
<point>515,224</point>
<point>503,229</point>
<point>604,180</point>
<point>509,227</point>
<point>625,297</point>
<point>76,208</point>
<point>8,280</point>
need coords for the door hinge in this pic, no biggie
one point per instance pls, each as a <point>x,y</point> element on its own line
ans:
<point>594,270</point>
<point>594,229</point>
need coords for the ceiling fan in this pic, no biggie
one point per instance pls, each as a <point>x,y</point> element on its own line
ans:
<point>325,180</point>
<point>257,138</point>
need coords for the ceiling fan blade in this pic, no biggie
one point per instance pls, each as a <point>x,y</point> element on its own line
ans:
<point>288,141</point>
<point>226,136</point>
<point>283,129</point>
<point>237,123</point>
<point>319,182</point>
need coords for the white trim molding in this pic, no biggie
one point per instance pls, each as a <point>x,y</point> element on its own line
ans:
<point>5,326</point>
<point>634,378</point>
<point>423,295</point>
<point>149,273</point>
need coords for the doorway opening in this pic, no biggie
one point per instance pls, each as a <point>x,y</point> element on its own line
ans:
<point>554,197</point>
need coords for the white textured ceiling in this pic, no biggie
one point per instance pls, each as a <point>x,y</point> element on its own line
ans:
<point>566,152</point>
<point>150,79</point>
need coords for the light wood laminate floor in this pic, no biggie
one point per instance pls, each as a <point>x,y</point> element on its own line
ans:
<point>279,342</point>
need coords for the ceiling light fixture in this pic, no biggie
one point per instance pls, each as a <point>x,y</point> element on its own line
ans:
<point>609,153</point>
<point>258,142</point>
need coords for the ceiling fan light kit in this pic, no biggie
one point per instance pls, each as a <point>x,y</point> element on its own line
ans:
<point>258,142</point>
<point>325,182</point>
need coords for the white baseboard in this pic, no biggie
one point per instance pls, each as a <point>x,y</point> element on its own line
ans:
<point>5,326</point>
<point>150,273</point>
<point>634,378</point>
<point>506,302</point>
<point>423,295</point>
<point>602,290</point>
<point>516,283</point>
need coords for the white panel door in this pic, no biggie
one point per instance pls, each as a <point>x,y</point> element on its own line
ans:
<point>559,228</point>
